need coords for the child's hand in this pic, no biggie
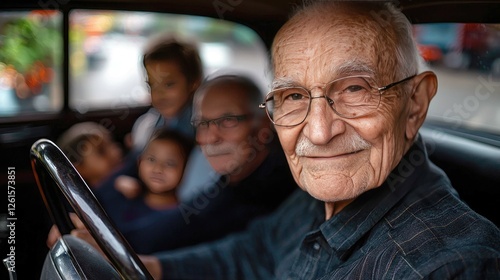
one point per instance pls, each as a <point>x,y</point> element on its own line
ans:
<point>128,186</point>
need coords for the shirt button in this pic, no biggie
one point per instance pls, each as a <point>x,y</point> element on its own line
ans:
<point>316,246</point>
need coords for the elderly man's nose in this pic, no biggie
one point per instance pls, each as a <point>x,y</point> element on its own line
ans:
<point>210,135</point>
<point>322,124</point>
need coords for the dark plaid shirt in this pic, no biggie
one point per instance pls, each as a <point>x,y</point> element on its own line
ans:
<point>412,227</point>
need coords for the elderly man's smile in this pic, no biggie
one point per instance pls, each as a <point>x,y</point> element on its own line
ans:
<point>335,161</point>
<point>340,155</point>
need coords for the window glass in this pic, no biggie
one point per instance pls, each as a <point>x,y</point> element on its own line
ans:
<point>106,53</point>
<point>30,63</point>
<point>466,59</point>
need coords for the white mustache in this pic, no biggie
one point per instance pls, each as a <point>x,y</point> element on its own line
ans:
<point>343,145</point>
<point>216,150</point>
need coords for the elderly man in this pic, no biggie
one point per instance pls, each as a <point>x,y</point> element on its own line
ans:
<point>347,102</point>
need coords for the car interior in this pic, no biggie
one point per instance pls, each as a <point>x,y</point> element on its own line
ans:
<point>68,61</point>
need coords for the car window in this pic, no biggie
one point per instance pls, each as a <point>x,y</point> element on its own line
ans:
<point>106,53</point>
<point>30,63</point>
<point>466,59</point>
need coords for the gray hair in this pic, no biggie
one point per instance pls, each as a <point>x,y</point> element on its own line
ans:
<point>252,91</point>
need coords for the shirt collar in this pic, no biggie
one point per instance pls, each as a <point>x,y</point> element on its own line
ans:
<point>347,227</point>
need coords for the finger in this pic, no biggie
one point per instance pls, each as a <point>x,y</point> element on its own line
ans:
<point>76,221</point>
<point>85,235</point>
<point>153,265</point>
<point>82,234</point>
<point>53,236</point>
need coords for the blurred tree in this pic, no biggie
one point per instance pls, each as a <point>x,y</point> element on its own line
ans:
<point>28,46</point>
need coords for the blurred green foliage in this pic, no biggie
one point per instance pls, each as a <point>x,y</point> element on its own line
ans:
<point>28,40</point>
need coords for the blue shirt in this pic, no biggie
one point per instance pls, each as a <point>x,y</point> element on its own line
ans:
<point>413,226</point>
<point>146,124</point>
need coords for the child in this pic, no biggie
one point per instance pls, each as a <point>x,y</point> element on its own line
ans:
<point>160,168</point>
<point>174,72</point>
<point>161,154</point>
<point>91,149</point>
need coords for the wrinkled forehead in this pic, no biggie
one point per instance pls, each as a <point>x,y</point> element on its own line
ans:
<point>340,44</point>
<point>222,100</point>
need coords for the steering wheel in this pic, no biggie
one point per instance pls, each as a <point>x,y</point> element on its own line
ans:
<point>58,182</point>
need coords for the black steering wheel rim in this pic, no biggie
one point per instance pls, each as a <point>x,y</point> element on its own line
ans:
<point>57,179</point>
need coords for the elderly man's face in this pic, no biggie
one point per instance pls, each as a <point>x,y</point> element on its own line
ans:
<point>332,158</point>
<point>227,149</point>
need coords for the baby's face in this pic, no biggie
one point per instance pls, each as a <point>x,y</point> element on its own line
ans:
<point>161,166</point>
<point>100,156</point>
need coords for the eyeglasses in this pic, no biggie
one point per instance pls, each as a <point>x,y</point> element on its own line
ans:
<point>349,97</point>
<point>222,122</point>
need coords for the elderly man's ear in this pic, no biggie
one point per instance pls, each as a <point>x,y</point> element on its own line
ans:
<point>425,87</point>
